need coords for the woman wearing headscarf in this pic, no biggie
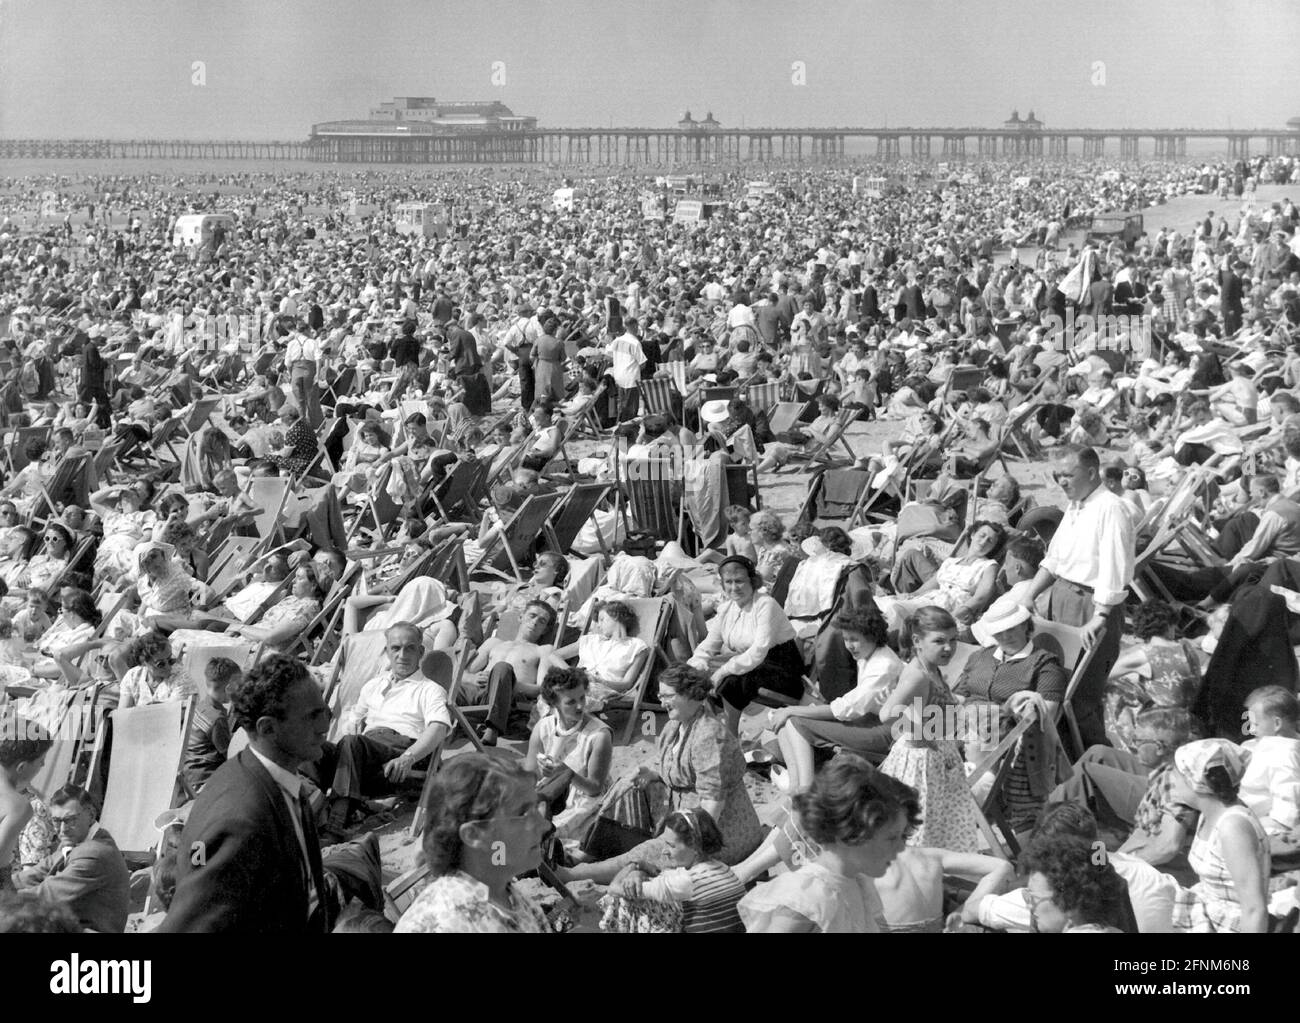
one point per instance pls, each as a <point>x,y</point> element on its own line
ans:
<point>1229,851</point>
<point>423,602</point>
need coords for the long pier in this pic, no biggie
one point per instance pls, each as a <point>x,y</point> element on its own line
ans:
<point>389,143</point>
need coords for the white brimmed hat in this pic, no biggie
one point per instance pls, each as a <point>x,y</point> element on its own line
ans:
<point>714,411</point>
<point>1005,613</point>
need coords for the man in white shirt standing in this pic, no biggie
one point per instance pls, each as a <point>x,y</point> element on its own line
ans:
<point>1087,571</point>
<point>399,719</point>
<point>626,359</point>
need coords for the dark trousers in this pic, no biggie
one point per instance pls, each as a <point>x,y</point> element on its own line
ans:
<point>359,769</point>
<point>1071,604</point>
<point>629,403</point>
<point>1234,533</point>
<point>500,690</point>
<point>1215,581</point>
<point>527,385</point>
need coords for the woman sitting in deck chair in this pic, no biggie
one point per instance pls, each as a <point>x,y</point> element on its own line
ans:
<point>801,440</point>
<point>424,602</point>
<point>1010,672</point>
<point>612,656</point>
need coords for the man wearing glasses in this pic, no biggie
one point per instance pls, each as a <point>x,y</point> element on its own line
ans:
<point>87,873</point>
<point>1133,790</point>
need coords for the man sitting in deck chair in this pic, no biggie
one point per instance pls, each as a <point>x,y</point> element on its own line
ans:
<point>399,720</point>
<point>504,667</point>
<point>544,443</point>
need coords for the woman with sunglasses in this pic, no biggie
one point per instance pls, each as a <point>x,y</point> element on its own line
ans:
<point>157,676</point>
<point>52,561</point>
<point>485,828</point>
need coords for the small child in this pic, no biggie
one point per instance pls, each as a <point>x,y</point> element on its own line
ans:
<point>32,621</point>
<point>209,738</point>
<point>693,878</point>
<point>861,394</point>
<point>1271,784</point>
<point>738,540</point>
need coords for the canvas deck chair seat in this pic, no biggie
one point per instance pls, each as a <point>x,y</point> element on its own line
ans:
<point>514,545</point>
<point>784,415</point>
<point>823,450</point>
<point>763,398</point>
<point>74,733</point>
<point>458,488</point>
<point>15,452</point>
<point>200,413</point>
<point>653,487</point>
<point>569,516</point>
<point>660,396</point>
<point>835,494</point>
<point>653,615</point>
<point>144,771</point>
<point>70,484</point>
<point>360,658</point>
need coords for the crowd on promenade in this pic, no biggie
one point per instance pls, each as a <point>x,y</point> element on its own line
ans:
<point>347,515</point>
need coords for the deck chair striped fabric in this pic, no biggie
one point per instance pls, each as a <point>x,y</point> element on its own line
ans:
<point>661,397</point>
<point>763,397</point>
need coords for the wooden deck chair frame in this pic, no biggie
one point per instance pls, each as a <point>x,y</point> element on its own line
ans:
<point>569,516</point>
<point>654,612</point>
<point>167,431</point>
<point>461,663</point>
<point>1068,639</point>
<point>810,509</point>
<point>270,494</point>
<point>200,414</point>
<point>763,397</point>
<point>360,658</point>
<point>132,824</point>
<point>660,396</point>
<point>517,536</point>
<point>14,453</point>
<point>225,567</point>
<point>456,488</point>
<point>654,497</point>
<point>73,734</point>
<point>586,423</point>
<point>823,450</point>
<point>327,618</point>
<point>65,474</point>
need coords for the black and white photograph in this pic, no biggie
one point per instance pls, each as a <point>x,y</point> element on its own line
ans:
<point>708,466</point>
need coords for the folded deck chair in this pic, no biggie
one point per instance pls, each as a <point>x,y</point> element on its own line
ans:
<point>144,771</point>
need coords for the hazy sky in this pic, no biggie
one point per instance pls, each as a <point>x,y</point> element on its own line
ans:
<point>122,69</point>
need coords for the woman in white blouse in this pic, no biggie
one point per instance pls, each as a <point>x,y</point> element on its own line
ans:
<point>750,645</point>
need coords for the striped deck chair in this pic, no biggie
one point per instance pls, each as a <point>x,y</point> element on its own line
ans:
<point>661,397</point>
<point>764,397</point>
<point>653,487</point>
<point>587,422</point>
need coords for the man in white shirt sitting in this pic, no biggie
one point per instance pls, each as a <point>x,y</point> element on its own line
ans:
<point>399,719</point>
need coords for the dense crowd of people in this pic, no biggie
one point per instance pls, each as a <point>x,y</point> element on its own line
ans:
<point>397,515</point>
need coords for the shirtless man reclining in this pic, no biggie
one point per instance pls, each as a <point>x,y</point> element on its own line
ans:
<point>506,667</point>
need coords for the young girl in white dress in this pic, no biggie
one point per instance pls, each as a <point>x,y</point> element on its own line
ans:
<point>925,754</point>
<point>612,656</point>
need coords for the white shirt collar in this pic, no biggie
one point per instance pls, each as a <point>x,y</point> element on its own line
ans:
<point>1019,655</point>
<point>287,780</point>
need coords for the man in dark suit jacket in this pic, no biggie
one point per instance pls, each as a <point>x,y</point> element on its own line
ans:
<point>1100,295</point>
<point>87,874</point>
<point>249,859</point>
<point>1230,298</point>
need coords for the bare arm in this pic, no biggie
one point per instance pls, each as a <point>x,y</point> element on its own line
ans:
<point>1241,853</point>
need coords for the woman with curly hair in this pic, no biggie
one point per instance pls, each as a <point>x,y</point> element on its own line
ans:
<point>1071,890</point>
<point>1158,670</point>
<point>485,828</point>
<point>859,818</point>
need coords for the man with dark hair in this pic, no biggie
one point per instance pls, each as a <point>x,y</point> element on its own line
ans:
<point>1088,571</point>
<point>249,859</point>
<point>87,873</point>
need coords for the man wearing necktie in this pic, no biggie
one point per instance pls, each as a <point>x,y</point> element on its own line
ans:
<point>249,859</point>
<point>87,873</point>
<point>1088,570</point>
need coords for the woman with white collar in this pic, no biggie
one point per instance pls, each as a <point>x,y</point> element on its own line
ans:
<point>1010,672</point>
